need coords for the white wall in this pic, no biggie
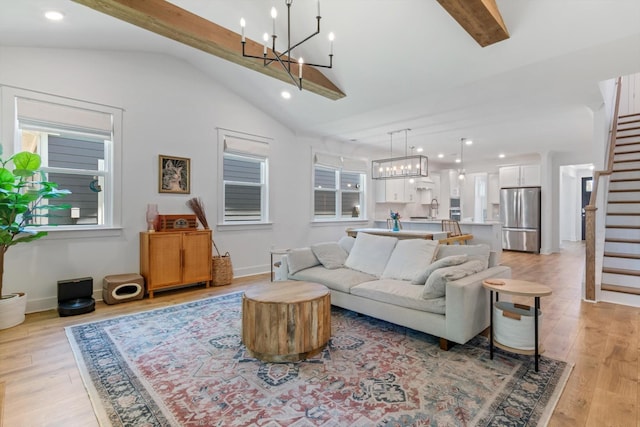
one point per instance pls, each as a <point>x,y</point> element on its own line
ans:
<point>169,108</point>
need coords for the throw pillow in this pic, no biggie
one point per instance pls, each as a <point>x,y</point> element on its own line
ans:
<point>480,252</point>
<point>410,258</point>
<point>436,284</point>
<point>346,243</point>
<point>330,254</point>
<point>370,253</point>
<point>299,259</point>
<point>441,263</point>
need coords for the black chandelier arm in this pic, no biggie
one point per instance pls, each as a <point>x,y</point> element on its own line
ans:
<point>270,59</point>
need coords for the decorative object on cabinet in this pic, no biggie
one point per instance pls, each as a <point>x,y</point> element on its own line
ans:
<point>152,216</point>
<point>222,273</point>
<point>409,166</point>
<point>174,174</point>
<point>175,258</point>
<point>181,222</point>
<point>285,58</point>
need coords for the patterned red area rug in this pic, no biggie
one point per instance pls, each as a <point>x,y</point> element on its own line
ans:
<point>185,365</point>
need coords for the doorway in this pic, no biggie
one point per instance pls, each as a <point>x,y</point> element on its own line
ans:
<point>587,187</point>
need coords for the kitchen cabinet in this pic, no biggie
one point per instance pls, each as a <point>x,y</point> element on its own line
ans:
<point>395,191</point>
<point>454,184</point>
<point>175,258</point>
<point>493,193</point>
<point>520,176</point>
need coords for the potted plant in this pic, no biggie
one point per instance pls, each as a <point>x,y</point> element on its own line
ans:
<point>24,191</point>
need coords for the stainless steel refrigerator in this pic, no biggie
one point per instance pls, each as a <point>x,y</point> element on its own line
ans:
<point>520,215</point>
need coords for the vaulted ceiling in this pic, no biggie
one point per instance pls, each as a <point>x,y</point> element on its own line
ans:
<point>400,63</point>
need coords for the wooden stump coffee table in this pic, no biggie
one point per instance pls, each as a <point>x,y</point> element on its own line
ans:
<point>286,321</point>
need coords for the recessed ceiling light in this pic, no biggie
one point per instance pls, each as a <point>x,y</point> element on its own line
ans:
<point>440,156</point>
<point>458,160</point>
<point>54,15</point>
<point>420,149</point>
<point>501,155</point>
<point>468,141</point>
<point>285,94</point>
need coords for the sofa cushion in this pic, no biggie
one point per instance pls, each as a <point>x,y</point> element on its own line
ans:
<point>410,258</point>
<point>480,252</point>
<point>436,284</point>
<point>299,259</point>
<point>330,254</point>
<point>397,292</point>
<point>421,278</point>
<point>346,243</point>
<point>340,279</point>
<point>370,253</point>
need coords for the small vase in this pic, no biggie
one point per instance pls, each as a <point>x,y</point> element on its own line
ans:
<point>152,214</point>
<point>396,225</point>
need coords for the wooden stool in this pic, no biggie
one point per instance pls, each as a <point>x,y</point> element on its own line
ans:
<point>286,321</point>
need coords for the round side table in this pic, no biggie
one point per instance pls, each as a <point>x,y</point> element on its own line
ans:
<point>286,321</point>
<point>521,288</point>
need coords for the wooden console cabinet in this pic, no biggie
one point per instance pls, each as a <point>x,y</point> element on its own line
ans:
<point>175,258</point>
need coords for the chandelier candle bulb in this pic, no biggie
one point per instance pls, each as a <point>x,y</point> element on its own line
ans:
<point>242,25</point>
<point>265,37</point>
<point>274,15</point>
<point>300,62</point>
<point>318,8</point>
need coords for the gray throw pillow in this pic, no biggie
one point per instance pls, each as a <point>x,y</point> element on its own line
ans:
<point>299,259</point>
<point>436,284</point>
<point>346,243</point>
<point>330,254</point>
<point>480,252</point>
<point>441,263</point>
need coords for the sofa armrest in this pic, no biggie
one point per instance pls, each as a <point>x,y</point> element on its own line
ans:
<point>467,304</point>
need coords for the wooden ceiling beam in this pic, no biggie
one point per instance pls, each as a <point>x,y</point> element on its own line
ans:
<point>171,21</point>
<point>480,18</point>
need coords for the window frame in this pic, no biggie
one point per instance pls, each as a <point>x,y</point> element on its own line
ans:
<point>339,192</point>
<point>112,225</point>
<point>244,151</point>
<point>263,162</point>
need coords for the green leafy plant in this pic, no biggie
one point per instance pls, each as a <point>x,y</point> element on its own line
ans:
<point>24,191</point>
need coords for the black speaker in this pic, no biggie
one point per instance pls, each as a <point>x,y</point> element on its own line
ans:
<point>75,296</point>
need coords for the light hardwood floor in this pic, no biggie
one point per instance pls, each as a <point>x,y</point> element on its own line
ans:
<point>40,384</point>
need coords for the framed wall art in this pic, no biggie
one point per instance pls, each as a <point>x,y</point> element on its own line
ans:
<point>174,174</point>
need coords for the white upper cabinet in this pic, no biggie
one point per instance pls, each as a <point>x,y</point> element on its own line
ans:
<point>520,176</point>
<point>394,191</point>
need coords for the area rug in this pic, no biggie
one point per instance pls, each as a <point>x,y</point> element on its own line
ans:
<point>185,365</point>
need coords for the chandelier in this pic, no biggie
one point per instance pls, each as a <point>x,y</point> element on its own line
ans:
<point>408,166</point>
<point>284,58</point>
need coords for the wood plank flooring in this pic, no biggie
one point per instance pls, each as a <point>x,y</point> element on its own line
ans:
<point>40,384</point>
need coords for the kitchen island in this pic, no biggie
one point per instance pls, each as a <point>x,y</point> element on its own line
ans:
<point>489,232</point>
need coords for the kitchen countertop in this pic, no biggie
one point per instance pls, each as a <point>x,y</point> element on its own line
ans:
<point>439,221</point>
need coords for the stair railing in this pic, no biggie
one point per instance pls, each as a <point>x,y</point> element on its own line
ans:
<point>591,208</point>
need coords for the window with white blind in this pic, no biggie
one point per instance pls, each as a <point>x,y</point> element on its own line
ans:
<point>77,143</point>
<point>245,180</point>
<point>338,192</point>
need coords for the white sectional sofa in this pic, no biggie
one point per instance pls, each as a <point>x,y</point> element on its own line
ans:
<point>415,283</point>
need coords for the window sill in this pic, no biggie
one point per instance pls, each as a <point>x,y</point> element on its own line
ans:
<point>339,221</point>
<point>70,232</point>
<point>244,226</point>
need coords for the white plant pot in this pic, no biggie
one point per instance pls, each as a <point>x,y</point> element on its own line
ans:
<point>12,309</point>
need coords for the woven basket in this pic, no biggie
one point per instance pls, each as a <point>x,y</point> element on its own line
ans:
<point>222,270</point>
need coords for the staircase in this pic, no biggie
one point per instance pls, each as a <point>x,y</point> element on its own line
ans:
<point>621,262</point>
